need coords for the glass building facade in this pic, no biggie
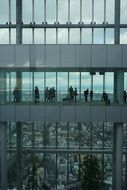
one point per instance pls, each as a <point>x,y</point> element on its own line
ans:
<point>62,44</point>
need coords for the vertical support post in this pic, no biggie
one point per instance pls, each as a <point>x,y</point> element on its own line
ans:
<point>117,156</point>
<point>118,87</point>
<point>18,21</point>
<point>2,87</point>
<point>3,155</point>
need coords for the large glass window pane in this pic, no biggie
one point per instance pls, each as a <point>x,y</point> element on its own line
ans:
<point>4,11</point>
<point>13,11</point>
<point>62,36</point>
<point>10,84</point>
<point>62,85</point>
<point>86,36</point>
<point>123,11</point>
<point>108,135</point>
<point>39,82</point>
<point>27,136</point>
<point>4,36</point>
<point>27,86</point>
<point>74,11</point>
<point>13,36</point>
<point>73,167</point>
<point>110,6</point>
<point>62,137</point>
<point>85,82</point>
<point>38,11</point>
<point>38,134</point>
<point>50,135</point>
<point>50,11</point>
<point>123,36</point>
<point>38,36</point>
<point>109,36</point>
<point>87,11</point>
<point>61,170</point>
<point>86,135</point>
<point>63,11</point>
<point>99,11</point>
<point>27,11</point>
<point>50,36</point>
<point>97,135</point>
<point>74,36</point>
<point>73,135</point>
<point>99,36</point>
<point>74,82</point>
<point>27,36</point>
<point>125,81</point>
<point>109,84</point>
<point>97,86</point>
<point>50,91</point>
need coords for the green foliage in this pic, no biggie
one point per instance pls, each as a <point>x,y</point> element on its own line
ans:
<point>90,173</point>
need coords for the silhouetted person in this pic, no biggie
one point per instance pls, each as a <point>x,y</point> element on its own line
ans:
<point>36,94</point>
<point>91,95</point>
<point>71,93</point>
<point>47,94</point>
<point>75,94</point>
<point>125,96</point>
<point>86,92</point>
<point>16,94</point>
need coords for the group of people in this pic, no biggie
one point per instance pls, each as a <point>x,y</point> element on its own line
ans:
<point>86,93</point>
<point>50,94</point>
<point>72,94</point>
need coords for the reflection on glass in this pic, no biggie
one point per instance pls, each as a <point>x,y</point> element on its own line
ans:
<point>86,36</point>
<point>73,167</point>
<point>27,36</point>
<point>38,11</point>
<point>75,11</point>
<point>99,11</point>
<point>87,11</point>
<point>62,85</point>
<point>27,136</point>
<point>108,134</point>
<point>97,134</point>
<point>50,11</point>
<point>27,11</point>
<point>110,6</point>
<point>4,14</point>
<point>109,36</point>
<point>125,81</point>
<point>50,36</point>
<point>97,86</point>
<point>27,86</point>
<point>62,135</point>
<point>85,135</point>
<point>38,36</point>
<point>73,135</point>
<point>50,135</point>
<point>63,11</point>
<point>108,168</point>
<point>62,36</point>
<point>38,134</point>
<point>4,36</point>
<point>98,36</point>
<point>74,36</point>
<point>62,170</point>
